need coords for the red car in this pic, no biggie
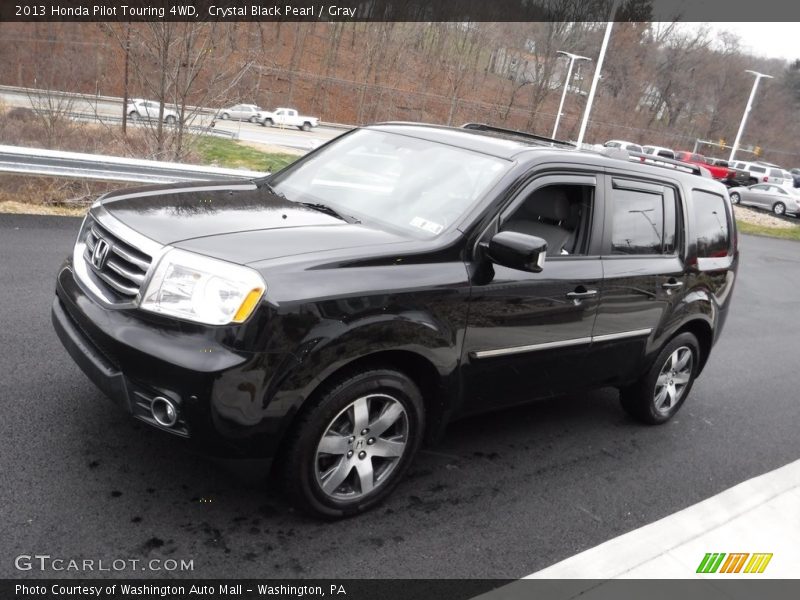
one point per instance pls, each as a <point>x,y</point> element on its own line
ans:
<point>719,173</point>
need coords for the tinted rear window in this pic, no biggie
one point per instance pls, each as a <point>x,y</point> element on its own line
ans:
<point>712,229</point>
<point>776,173</point>
<point>756,169</point>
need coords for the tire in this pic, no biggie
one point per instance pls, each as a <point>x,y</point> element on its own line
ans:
<point>134,115</point>
<point>170,120</point>
<point>779,209</point>
<point>267,123</point>
<point>656,397</point>
<point>735,198</point>
<point>224,116</point>
<point>254,119</point>
<point>305,127</point>
<point>330,484</point>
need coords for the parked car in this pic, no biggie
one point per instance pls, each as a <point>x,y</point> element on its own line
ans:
<point>761,173</point>
<point>149,110</point>
<point>777,198</point>
<point>694,158</point>
<point>241,112</point>
<point>337,313</point>
<point>735,177</point>
<point>290,117</point>
<point>659,151</point>
<point>624,145</point>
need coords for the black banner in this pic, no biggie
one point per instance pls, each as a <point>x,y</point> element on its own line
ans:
<point>710,588</point>
<point>462,11</point>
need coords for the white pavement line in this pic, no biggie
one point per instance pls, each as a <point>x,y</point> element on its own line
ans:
<point>758,515</point>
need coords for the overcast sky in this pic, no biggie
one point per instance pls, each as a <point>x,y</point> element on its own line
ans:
<point>773,40</point>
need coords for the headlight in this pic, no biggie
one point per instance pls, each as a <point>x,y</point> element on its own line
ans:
<point>201,289</point>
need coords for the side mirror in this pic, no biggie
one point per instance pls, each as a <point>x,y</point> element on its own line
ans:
<point>516,251</point>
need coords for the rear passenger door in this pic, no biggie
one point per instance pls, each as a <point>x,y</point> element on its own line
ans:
<point>643,273</point>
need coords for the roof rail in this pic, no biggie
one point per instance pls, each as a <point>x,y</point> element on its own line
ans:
<point>667,163</point>
<point>515,133</point>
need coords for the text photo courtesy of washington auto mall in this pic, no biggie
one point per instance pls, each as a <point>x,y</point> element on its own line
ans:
<point>399,299</point>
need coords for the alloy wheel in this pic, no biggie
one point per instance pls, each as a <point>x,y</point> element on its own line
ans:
<point>361,447</point>
<point>675,375</point>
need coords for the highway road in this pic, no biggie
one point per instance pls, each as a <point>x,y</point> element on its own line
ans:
<point>501,496</point>
<point>100,109</point>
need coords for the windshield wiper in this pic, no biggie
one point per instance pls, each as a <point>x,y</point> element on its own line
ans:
<point>329,210</point>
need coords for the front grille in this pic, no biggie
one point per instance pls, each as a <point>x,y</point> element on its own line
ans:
<point>119,267</point>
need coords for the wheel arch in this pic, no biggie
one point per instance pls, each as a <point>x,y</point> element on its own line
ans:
<point>701,329</point>
<point>417,367</point>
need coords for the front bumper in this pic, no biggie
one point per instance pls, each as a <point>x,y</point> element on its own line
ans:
<point>223,396</point>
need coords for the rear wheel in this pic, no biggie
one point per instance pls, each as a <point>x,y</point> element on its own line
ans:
<point>735,198</point>
<point>306,127</point>
<point>224,116</point>
<point>349,451</point>
<point>254,119</point>
<point>658,395</point>
<point>170,120</point>
<point>267,122</point>
<point>779,208</point>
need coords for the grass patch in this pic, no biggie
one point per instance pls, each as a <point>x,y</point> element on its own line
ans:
<point>790,233</point>
<point>233,155</point>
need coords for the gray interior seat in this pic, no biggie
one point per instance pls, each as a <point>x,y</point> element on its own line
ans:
<point>542,214</point>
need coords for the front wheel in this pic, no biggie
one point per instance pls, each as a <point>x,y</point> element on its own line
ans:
<point>352,447</point>
<point>735,198</point>
<point>170,120</point>
<point>658,395</point>
<point>779,208</point>
<point>266,123</point>
<point>224,116</point>
<point>254,119</point>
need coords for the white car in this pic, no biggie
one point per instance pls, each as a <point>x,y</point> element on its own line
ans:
<point>624,145</point>
<point>149,110</point>
<point>241,112</point>
<point>288,117</point>
<point>660,151</point>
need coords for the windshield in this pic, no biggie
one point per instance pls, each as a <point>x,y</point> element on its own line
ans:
<point>417,186</point>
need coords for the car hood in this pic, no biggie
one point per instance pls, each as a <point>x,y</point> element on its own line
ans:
<point>240,223</point>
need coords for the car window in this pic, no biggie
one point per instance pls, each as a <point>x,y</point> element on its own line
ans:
<point>776,173</point>
<point>666,154</point>
<point>612,144</point>
<point>642,222</point>
<point>649,149</point>
<point>634,148</point>
<point>698,158</point>
<point>711,224</point>
<point>560,214</point>
<point>757,169</point>
<point>760,187</point>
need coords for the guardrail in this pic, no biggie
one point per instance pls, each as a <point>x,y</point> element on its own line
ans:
<point>199,129</point>
<point>76,165</point>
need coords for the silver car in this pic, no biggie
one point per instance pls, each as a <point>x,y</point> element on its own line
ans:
<point>241,112</point>
<point>780,200</point>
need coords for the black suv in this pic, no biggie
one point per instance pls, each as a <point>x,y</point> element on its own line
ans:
<point>338,313</point>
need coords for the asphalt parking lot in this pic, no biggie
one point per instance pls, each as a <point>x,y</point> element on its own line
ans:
<point>501,496</point>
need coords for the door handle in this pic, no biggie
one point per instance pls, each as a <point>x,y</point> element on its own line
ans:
<point>671,284</point>
<point>576,295</point>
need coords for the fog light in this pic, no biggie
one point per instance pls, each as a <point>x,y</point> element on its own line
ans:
<point>164,411</point>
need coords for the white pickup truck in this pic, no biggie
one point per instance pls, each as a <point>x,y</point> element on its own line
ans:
<point>287,117</point>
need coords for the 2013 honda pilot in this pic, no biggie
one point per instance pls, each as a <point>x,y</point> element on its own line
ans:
<point>338,313</point>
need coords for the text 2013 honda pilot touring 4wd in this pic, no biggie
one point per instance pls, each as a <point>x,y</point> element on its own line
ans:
<point>338,313</point>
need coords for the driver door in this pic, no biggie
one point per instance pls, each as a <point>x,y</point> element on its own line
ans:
<point>528,334</point>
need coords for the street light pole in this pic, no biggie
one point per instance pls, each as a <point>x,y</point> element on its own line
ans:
<point>572,59</point>
<point>747,110</point>
<point>596,78</point>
